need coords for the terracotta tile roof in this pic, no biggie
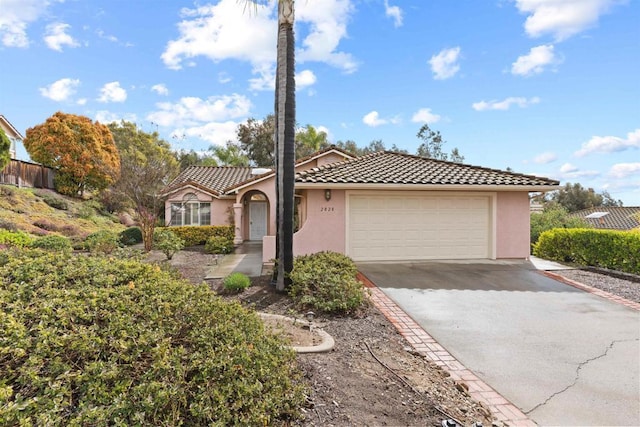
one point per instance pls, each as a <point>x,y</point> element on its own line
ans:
<point>385,167</point>
<point>216,178</point>
<point>617,218</point>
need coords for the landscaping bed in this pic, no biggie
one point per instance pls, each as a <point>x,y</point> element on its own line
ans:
<point>371,377</point>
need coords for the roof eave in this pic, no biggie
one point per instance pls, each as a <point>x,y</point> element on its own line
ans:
<point>426,187</point>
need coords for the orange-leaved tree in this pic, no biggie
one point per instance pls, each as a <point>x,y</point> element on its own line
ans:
<point>82,152</point>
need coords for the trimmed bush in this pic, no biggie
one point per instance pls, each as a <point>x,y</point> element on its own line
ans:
<point>615,250</point>
<point>236,282</point>
<point>166,241</point>
<point>131,236</point>
<point>102,341</point>
<point>52,243</point>
<point>103,241</point>
<point>326,281</point>
<point>218,245</point>
<point>15,238</point>
<point>198,235</point>
<point>553,216</point>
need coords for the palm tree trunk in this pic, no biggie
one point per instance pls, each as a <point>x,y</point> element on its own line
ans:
<point>285,142</point>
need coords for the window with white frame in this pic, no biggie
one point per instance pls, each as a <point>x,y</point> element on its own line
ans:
<point>190,211</point>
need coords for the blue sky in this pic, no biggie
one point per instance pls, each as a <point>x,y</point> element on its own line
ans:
<point>547,87</point>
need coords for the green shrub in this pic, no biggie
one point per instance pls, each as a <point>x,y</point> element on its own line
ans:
<point>54,202</point>
<point>198,235</point>
<point>15,238</point>
<point>326,281</point>
<point>166,241</point>
<point>52,242</point>
<point>131,236</point>
<point>103,241</point>
<point>553,216</point>
<point>102,341</point>
<point>218,245</point>
<point>615,250</point>
<point>236,282</point>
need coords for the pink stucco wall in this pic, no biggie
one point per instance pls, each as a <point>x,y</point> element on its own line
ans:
<point>219,207</point>
<point>323,230</point>
<point>512,225</point>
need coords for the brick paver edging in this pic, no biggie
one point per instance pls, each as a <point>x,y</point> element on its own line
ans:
<point>427,346</point>
<point>599,292</point>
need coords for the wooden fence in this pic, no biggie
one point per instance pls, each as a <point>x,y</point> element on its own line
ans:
<point>27,174</point>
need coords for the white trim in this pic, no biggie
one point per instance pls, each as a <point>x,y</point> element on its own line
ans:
<point>189,186</point>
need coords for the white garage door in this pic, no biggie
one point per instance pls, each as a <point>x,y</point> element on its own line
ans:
<point>414,227</point>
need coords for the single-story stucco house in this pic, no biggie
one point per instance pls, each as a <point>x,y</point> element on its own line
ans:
<point>377,207</point>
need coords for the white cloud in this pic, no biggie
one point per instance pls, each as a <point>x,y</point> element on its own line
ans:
<point>535,61</point>
<point>104,116</point>
<point>373,119</point>
<point>624,170</point>
<point>56,36</point>
<point>305,78</point>
<point>224,77</point>
<point>215,133</point>
<point>326,131</point>
<point>112,92</point>
<point>193,111</point>
<point>160,89</point>
<point>81,101</point>
<point>545,158</point>
<point>327,20</point>
<point>610,144</point>
<point>16,15</point>
<point>445,64</point>
<point>562,18</point>
<point>61,90</point>
<point>424,115</point>
<point>227,31</point>
<point>105,36</point>
<point>571,172</point>
<point>393,12</point>
<point>505,104</point>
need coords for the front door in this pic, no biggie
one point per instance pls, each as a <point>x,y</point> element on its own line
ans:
<point>257,220</point>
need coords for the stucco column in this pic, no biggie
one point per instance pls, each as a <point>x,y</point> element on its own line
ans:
<point>237,220</point>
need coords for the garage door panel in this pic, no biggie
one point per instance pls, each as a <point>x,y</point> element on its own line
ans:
<point>401,227</point>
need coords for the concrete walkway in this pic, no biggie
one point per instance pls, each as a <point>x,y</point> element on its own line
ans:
<point>246,259</point>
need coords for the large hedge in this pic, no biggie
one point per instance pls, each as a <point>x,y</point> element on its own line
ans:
<point>615,250</point>
<point>198,235</point>
<point>106,341</point>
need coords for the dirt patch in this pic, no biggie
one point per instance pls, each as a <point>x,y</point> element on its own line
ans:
<point>371,377</point>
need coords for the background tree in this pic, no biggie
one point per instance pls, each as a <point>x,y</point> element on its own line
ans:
<point>431,146</point>
<point>82,152</point>
<point>574,197</point>
<point>256,140</point>
<point>193,158</point>
<point>229,155</point>
<point>309,140</point>
<point>147,165</point>
<point>5,146</point>
<point>553,216</point>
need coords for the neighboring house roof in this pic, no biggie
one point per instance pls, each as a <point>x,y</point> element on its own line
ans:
<point>11,131</point>
<point>385,167</point>
<point>611,218</point>
<point>212,178</point>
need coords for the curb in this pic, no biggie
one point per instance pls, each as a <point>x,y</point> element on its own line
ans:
<point>327,343</point>
<point>590,289</point>
<point>427,346</point>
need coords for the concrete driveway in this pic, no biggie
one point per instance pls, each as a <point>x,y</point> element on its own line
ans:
<point>563,356</point>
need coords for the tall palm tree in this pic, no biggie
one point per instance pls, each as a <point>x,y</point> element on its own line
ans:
<point>285,134</point>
